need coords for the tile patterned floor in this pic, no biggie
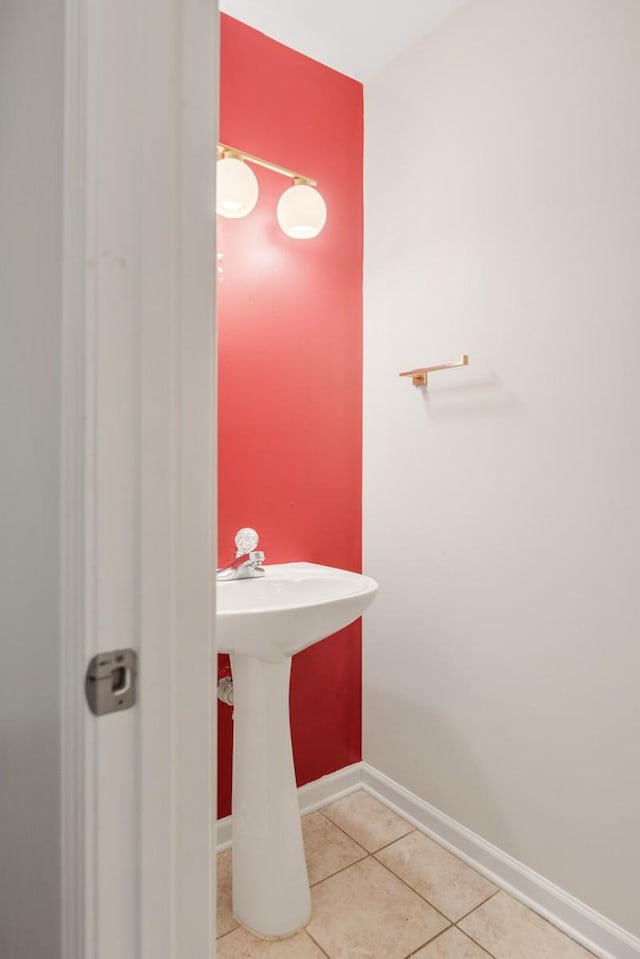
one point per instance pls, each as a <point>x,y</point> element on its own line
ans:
<point>382,890</point>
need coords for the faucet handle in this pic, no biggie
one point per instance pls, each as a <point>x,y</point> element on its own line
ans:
<point>250,565</point>
<point>246,540</point>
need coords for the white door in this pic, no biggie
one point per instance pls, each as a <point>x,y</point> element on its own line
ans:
<point>138,474</point>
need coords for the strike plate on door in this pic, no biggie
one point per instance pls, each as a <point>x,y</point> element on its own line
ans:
<point>110,683</point>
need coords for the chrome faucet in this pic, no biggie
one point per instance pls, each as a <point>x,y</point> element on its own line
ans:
<point>248,559</point>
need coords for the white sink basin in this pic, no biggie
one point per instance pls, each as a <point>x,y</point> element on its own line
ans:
<point>262,622</point>
<point>292,606</point>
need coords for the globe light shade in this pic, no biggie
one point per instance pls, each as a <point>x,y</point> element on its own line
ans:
<point>301,212</point>
<point>236,188</point>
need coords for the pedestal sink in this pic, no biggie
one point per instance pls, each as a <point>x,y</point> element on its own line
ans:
<point>262,623</point>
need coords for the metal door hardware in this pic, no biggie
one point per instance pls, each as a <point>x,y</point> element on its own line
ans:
<point>110,683</point>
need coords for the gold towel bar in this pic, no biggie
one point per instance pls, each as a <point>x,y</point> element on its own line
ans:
<point>419,376</point>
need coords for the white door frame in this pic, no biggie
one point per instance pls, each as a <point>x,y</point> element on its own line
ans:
<point>138,430</point>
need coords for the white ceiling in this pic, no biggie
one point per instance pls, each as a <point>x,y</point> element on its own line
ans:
<point>356,37</point>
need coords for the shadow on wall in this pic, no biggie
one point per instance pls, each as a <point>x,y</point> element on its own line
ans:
<point>442,748</point>
<point>484,396</point>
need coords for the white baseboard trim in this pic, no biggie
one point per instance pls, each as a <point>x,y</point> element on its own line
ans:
<point>323,791</point>
<point>592,930</point>
<point>313,796</point>
<point>596,933</point>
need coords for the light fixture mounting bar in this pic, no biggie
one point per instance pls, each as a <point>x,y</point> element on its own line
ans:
<point>224,149</point>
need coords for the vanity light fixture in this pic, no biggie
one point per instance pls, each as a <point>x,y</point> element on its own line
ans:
<point>236,187</point>
<point>301,210</point>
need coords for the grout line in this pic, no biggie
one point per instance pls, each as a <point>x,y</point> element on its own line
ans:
<point>344,831</point>
<point>394,841</point>
<point>371,856</point>
<point>419,895</point>
<point>428,942</point>
<point>484,948</point>
<point>315,941</point>
<point>485,900</point>
<point>369,852</point>
<point>468,934</point>
<point>480,946</point>
<point>318,882</point>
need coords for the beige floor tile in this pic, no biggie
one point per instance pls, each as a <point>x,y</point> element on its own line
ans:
<point>366,912</point>
<point>225,921</point>
<point>447,882</point>
<point>240,944</point>
<point>452,944</point>
<point>327,848</point>
<point>366,820</point>
<point>507,929</point>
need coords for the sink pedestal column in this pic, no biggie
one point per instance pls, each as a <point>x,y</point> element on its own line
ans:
<point>270,882</point>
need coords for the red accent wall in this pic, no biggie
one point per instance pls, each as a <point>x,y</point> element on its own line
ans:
<point>290,366</point>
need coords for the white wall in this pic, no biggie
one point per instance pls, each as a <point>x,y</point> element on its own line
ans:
<point>501,517</point>
<point>31,97</point>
